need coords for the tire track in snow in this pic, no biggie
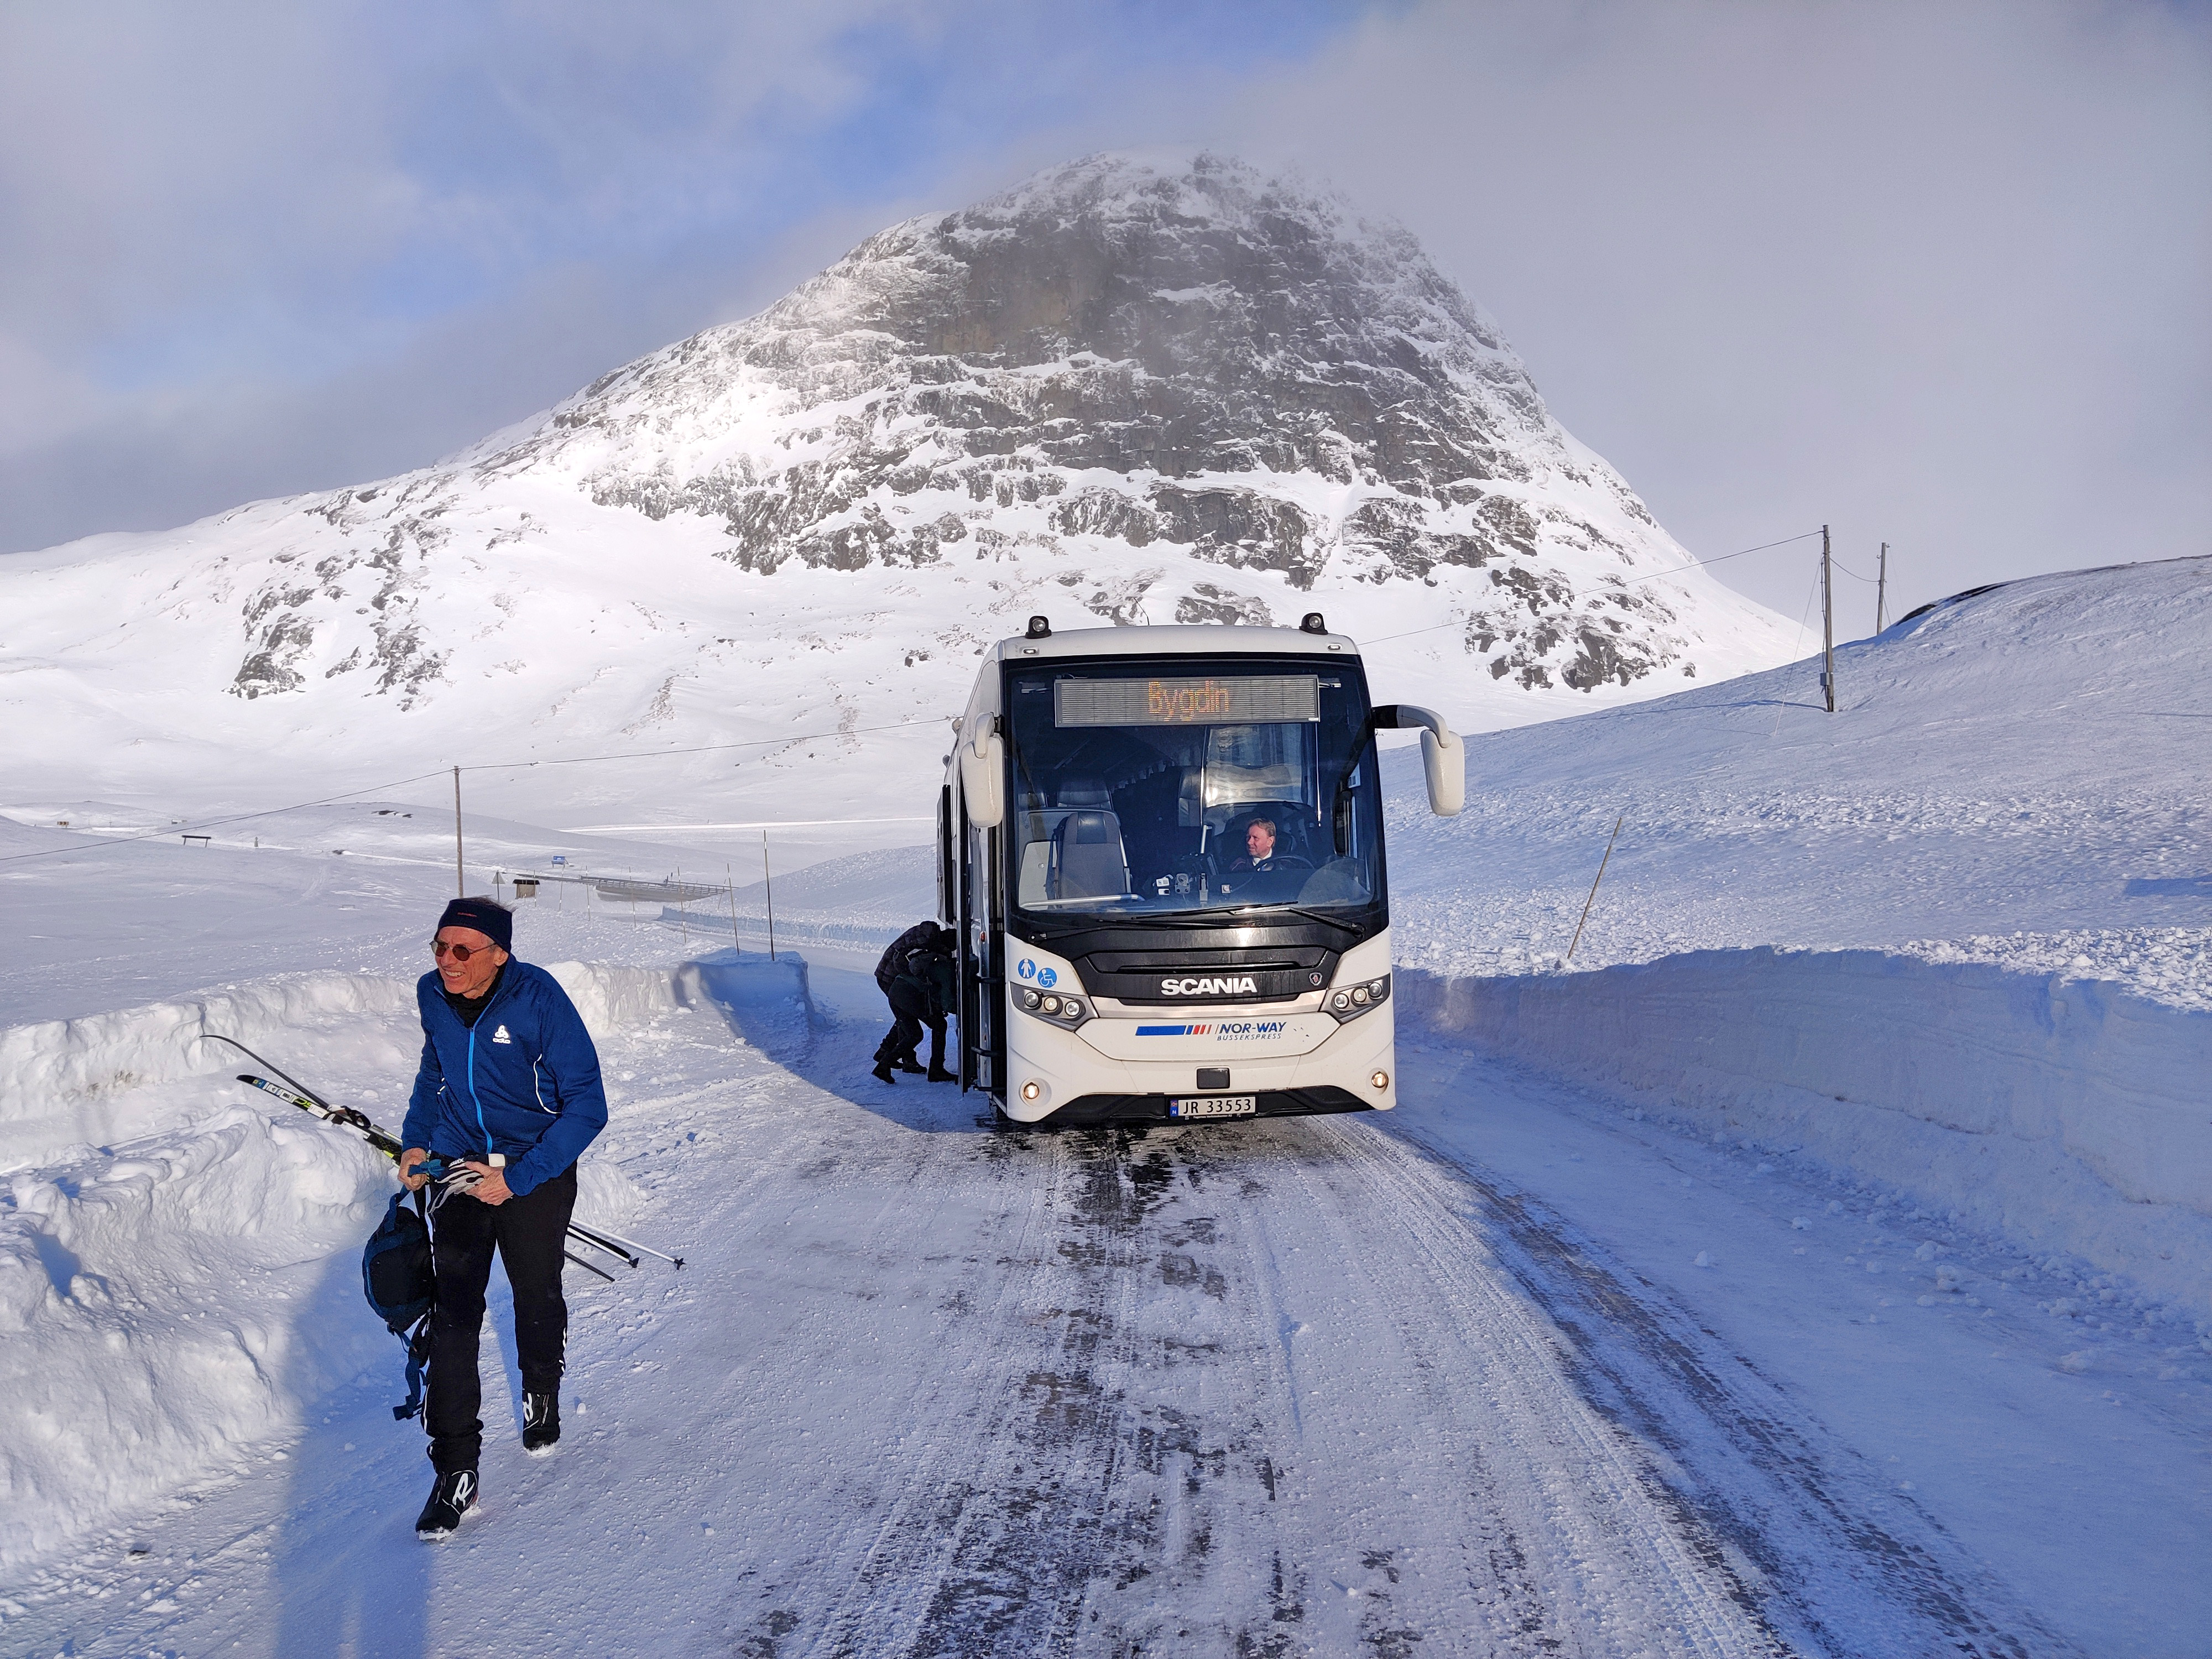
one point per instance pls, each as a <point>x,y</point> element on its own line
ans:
<point>1132,1473</point>
<point>1843,1565</point>
<point>1553,1537</point>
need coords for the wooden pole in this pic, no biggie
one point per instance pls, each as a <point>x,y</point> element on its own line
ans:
<point>1592,899</point>
<point>460,869</point>
<point>736,944</point>
<point>1827,622</point>
<point>1881,588</point>
<point>768,886</point>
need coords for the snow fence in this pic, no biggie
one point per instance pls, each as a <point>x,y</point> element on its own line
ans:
<point>2066,1114</point>
<point>177,1277</point>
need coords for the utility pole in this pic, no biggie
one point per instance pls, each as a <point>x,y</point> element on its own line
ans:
<point>769,888</point>
<point>1880,587</point>
<point>1827,622</point>
<point>460,870</point>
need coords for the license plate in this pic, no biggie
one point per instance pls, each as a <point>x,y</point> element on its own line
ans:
<point>1215,1106</point>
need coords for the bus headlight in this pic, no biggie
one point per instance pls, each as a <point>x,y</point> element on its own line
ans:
<point>1354,1000</point>
<point>1033,1089</point>
<point>1065,1012</point>
<point>1380,1079</point>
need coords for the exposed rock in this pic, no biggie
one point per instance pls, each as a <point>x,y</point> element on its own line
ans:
<point>1120,359</point>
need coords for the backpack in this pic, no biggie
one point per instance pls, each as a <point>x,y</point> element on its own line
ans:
<point>397,1276</point>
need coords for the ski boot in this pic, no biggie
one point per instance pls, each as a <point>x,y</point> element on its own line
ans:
<point>541,1423</point>
<point>453,1497</point>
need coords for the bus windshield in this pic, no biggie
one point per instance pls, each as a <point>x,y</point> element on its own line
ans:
<point>1149,787</point>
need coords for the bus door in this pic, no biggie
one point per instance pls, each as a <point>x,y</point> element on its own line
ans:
<point>983,960</point>
<point>980,922</point>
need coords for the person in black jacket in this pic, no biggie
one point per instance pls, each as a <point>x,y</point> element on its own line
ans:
<point>508,1089</point>
<point>916,978</point>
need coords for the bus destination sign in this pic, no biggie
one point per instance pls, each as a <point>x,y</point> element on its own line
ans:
<point>1217,700</point>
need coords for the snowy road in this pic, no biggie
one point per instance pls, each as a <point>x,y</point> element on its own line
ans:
<point>1321,1386</point>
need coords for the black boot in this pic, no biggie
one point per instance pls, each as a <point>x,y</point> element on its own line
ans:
<point>884,1071</point>
<point>938,1074</point>
<point>453,1497</point>
<point>908,1063</point>
<point>541,1423</point>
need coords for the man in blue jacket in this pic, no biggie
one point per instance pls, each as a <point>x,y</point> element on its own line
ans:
<point>509,1089</point>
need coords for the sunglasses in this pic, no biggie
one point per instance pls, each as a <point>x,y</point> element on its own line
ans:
<point>459,952</point>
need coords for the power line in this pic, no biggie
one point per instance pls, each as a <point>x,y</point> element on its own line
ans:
<point>1694,564</point>
<point>700,749</point>
<point>489,766</point>
<point>210,823</point>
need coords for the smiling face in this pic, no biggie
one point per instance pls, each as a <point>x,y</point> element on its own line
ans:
<point>1260,840</point>
<point>471,977</point>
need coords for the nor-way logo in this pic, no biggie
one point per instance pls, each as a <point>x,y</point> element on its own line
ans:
<point>1027,969</point>
<point>1222,1030</point>
<point>1228,985</point>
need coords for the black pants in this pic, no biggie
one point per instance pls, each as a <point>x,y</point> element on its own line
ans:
<point>527,1232</point>
<point>910,1011</point>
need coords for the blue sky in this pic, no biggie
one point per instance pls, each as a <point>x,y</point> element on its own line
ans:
<point>1933,272</point>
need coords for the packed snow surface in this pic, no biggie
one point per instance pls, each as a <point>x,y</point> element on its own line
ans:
<point>1623,1335</point>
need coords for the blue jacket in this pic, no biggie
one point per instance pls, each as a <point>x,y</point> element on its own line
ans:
<point>523,1080</point>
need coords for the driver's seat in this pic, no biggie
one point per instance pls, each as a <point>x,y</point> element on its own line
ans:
<point>1087,859</point>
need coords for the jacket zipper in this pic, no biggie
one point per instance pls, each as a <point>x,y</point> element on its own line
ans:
<point>476,1099</point>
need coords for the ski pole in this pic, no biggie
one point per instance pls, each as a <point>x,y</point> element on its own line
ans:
<point>585,1237</point>
<point>587,1267</point>
<point>616,1238</point>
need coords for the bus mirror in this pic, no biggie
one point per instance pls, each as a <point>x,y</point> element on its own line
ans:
<point>983,779</point>
<point>1443,756</point>
<point>1444,760</point>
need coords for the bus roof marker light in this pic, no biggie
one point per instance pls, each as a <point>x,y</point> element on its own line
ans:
<point>1040,628</point>
<point>1311,623</point>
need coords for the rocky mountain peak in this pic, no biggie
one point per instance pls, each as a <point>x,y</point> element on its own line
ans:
<point>1192,332</point>
<point>1131,390</point>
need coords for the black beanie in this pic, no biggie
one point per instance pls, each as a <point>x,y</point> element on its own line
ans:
<point>495,921</point>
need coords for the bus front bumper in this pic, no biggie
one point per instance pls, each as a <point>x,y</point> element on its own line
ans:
<point>1077,1080</point>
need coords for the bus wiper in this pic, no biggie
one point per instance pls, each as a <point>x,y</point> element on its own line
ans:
<point>1300,910</point>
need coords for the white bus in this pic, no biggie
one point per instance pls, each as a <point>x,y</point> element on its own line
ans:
<point>1161,851</point>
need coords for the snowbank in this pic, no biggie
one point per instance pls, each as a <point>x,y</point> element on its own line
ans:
<point>2066,1114</point>
<point>177,1277</point>
<point>86,1081</point>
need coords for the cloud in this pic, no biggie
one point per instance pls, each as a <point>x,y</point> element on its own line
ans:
<point>1933,274</point>
<point>254,249</point>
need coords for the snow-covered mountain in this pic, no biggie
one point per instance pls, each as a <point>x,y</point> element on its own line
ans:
<point>1130,390</point>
